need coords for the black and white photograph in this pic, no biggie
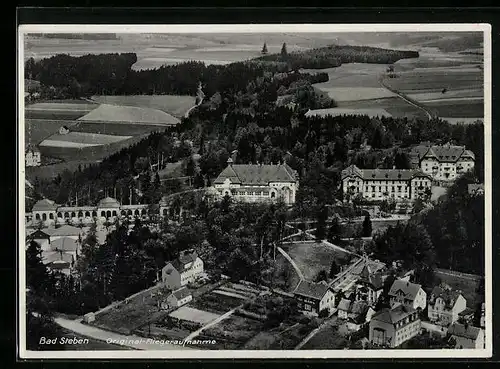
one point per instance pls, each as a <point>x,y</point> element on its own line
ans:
<point>254,191</point>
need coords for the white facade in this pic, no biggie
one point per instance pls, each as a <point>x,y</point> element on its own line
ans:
<point>383,184</point>
<point>444,163</point>
<point>257,182</point>
<point>442,314</point>
<point>32,158</point>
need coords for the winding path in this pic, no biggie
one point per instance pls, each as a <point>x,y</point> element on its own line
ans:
<point>290,260</point>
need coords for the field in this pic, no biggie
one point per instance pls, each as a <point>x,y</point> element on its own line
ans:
<point>193,315</point>
<point>313,257</point>
<point>37,130</point>
<point>60,110</point>
<point>175,105</point>
<point>81,139</point>
<point>130,114</point>
<point>466,283</point>
<point>215,303</point>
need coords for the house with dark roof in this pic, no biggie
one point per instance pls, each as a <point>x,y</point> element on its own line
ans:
<point>314,297</point>
<point>391,327</point>
<point>442,162</point>
<point>65,231</point>
<point>179,297</point>
<point>258,182</point>
<point>183,270</point>
<point>466,336</point>
<point>40,237</point>
<point>369,286</point>
<point>59,260</point>
<point>445,305</point>
<point>382,184</point>
<point>407,294</point>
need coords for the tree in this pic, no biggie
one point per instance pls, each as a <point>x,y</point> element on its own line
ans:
<point>334,231</point>
<point>321,217</point>
<point>334,269</point>
<point>264,49</point>
<point>322,276</point>
<point>37,275</point>
<point>284,52</point>
<point>367,226</point>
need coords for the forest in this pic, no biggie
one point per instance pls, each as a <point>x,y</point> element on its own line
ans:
<point>335,56</point>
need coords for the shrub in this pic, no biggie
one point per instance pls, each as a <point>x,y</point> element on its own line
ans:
<point>324,313</point>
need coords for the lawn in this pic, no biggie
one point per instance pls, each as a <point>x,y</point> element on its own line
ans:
<point>130,114</point>
<point>285,337</point>
<point>59,109</point>
<point>194,315</point>
<point>177,105</point>
<point>459,109</point>
<point>342,94</point>
<point>467,284</point>
<point>395,106</point>
<point>313,257</point>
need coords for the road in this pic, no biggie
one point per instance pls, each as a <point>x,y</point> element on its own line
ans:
<point>93,332</point>
<point>402,96</point>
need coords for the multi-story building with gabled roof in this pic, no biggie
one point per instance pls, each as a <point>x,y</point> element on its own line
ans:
<point>258,182</point>
<point>442,162</point>
<point>382,184</point>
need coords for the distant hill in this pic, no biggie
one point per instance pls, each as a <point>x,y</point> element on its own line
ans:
<point>79,36</point>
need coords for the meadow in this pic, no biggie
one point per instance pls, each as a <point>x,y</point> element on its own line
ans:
<point>84,139</point>
<point>37,130</point>
<point>176,105</point>
<point>130,114</point>
<point>311,257</point>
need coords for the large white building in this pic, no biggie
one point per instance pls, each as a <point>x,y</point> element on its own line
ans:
<point>183,270</point>
<point>258,182</point>
<point>382,184</point>
<point>443,163</point>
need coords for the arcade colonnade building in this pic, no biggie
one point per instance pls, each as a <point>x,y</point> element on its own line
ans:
<point>48,212</point>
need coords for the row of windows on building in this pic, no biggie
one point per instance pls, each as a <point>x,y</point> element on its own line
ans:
<point>407,332</point>
<point>252,193</point>
<point>87,214</point>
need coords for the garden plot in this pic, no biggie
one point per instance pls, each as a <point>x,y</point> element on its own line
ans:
<point>233,332</point>
<point>177,105</point>
<point>215,303</point>
<point>130,114</point>
<point>194,315</point>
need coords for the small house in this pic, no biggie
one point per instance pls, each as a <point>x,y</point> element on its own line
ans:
<point>312,298</point>
<point>40,237</point>
<point>344,308</point>
<point>63,130</point>
<point>408,294</point>
<point>179,297</point>
<point>466,336</point>
<point>445,305</point>
<point>183,270</point>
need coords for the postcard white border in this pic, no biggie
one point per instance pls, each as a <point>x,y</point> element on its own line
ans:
<point>262,28</point>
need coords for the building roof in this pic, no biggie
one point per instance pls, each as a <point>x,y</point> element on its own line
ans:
<point>45,204</point>
<point>181,293</point>
<point>447,294</point>
<point>465,331</point>
<point>65,230</point>
<point>185,257</point>
<point>370,278</point>
<point>57,257</point>
<point>392,316</point>
<point>38,235</point>
<point>344,305</point>
<point>108,202</point>
<point>442,153</point>
<point>409,289</point>
<point>383,174</point>
<point>310,289</point>
<point>257,174</point>
<point>64,244</point>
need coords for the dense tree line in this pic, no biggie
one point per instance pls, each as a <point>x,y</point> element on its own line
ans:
<point>449,236</point>
<point>334,56</point>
